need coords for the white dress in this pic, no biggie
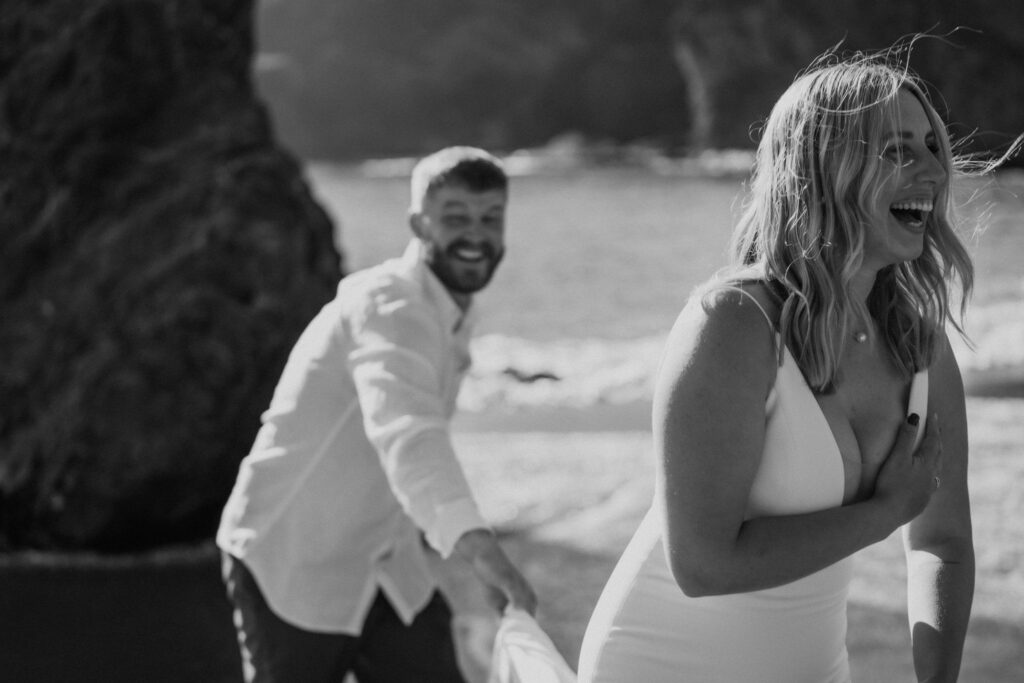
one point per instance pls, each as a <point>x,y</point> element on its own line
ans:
<point>645,629</point>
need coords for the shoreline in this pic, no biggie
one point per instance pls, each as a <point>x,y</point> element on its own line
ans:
<point>635,416</point>
<point>999,382</point>
<point>603,417</point>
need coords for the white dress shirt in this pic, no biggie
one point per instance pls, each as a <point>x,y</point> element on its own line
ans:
<point>354,457</point>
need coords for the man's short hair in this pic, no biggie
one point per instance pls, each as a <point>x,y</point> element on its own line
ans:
<point>468,167</point>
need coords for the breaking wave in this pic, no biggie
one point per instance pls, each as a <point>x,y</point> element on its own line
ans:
<point>515,373</point>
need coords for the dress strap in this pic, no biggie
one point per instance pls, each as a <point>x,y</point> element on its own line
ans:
<point>757,303</point>
<point>918,402</point>
<point>776,337</point>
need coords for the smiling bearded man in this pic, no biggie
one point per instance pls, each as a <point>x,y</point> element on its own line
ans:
<point>462,227</point>
<point>354,467</point>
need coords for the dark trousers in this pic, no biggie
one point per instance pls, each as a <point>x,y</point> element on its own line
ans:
<point>387,651</point>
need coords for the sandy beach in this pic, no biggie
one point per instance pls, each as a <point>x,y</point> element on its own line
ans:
<point>565,489</point>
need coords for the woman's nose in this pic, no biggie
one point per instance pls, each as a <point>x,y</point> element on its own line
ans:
<point>931,169</point>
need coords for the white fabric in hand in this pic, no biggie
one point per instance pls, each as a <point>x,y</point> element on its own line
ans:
<point>523,653</point>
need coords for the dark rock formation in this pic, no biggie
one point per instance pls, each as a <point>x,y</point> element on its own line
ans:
<point>160,255</point>
<point>738,56</point>
<point>683,75</point>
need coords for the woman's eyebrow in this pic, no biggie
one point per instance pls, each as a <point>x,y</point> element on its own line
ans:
<point>908,135</point>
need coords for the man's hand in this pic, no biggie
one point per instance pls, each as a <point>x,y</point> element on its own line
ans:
<point>503,584</point>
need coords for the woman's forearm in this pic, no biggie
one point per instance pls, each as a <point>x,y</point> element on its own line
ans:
<point>773,551</point>
<point>939,597</point>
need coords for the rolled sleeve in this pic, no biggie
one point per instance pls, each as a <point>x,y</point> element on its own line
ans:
<point>397,364</point>
<point>453,520</point>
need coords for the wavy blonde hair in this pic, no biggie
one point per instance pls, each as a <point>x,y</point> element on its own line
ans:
<point>802,228</point>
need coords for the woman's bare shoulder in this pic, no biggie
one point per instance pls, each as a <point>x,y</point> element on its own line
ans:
<point>724,331</point>
<point>746,303</point>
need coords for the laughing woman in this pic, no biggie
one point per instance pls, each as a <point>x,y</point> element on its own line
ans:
<point>807,406</point>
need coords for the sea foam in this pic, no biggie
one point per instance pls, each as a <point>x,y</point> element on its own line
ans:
<point>515,373</point>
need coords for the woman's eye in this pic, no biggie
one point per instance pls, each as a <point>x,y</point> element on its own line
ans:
<point>898,154</point>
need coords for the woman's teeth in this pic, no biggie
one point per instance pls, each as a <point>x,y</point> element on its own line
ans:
<point>911,212</point>
<point>916,205</point>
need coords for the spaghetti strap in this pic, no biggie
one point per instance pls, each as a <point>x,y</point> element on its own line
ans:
<point>918,402</point>
<point>757,303</point>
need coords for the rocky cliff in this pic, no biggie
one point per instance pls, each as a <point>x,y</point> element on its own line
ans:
<point>160,255</point>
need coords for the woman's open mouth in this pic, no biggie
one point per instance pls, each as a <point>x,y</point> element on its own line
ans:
<point>912,213</point>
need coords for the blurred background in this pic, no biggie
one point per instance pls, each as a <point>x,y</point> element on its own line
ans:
<point>629,126</point>
<point>370,78</point>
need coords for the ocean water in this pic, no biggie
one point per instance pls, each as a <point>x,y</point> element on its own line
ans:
<point>601,260</point>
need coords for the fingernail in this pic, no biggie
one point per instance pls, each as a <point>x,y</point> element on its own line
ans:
<point>913,419</point>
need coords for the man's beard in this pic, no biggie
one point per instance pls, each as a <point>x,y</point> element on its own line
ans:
<point>462,280</point>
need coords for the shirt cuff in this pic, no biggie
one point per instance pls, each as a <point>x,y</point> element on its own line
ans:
<point>453,520</point>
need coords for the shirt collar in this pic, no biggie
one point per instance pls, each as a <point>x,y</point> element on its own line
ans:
<point>451,314</point>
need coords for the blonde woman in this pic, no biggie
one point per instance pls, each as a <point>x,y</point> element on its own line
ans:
<point>807,406</point>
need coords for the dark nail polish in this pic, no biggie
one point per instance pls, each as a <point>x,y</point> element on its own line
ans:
<point>913,419</point>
